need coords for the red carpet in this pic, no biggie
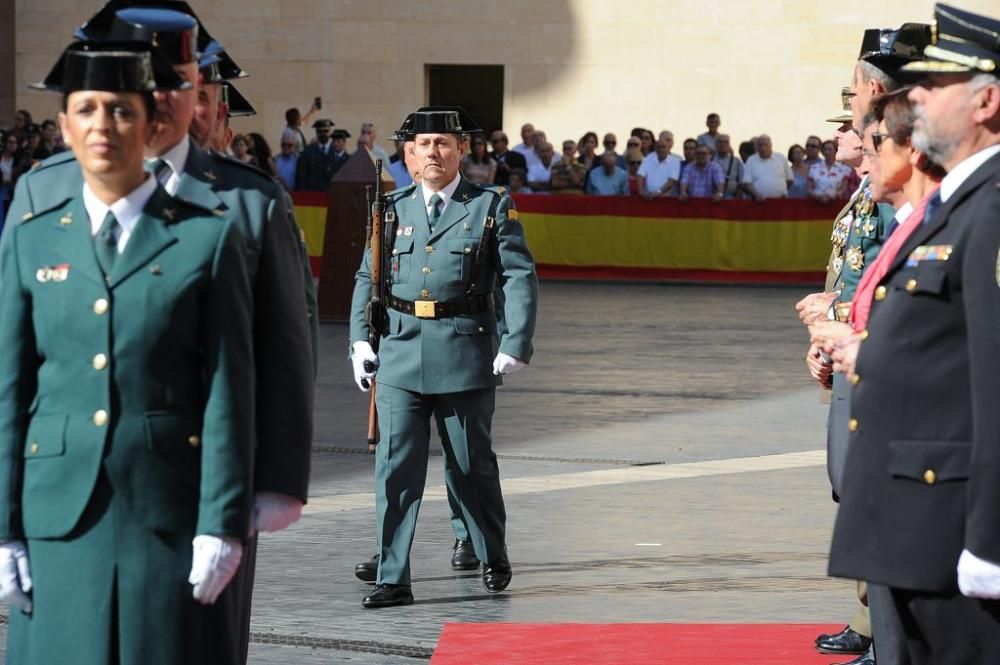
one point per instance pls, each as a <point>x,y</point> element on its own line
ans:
<point>631,644</point>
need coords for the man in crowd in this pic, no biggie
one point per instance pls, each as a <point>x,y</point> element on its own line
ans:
<point>766,175</point>
<point>921,484</point>
<point>610,142</point>
<point>608,179</point>
<point>368,130</point>
<point>540,173</point>
<point>442,323</point>
<point>730,164</point>
<point>688,148</point>
<point>703,178</point>
<point>530,142</point>
<point>713,122</point>
<point>293,126</point>
<point>316,163</point>
<point>286,162</point>
<point>568,175</point>
<point>813,147</point>
<point>660,171</point>
<point>506,159</point>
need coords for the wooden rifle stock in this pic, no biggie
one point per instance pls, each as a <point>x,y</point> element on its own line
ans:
<point>375,313</point>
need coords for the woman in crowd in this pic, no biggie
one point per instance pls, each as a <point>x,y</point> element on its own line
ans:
<point>22,120</point>
<point>799,189</point>
<point>241,149</point>
<point>12,165</point>
<point>828,180</point>
<point>126,394</point>
<point>261,152</point>
<point>633,160</point>
<point>647,142</point>
<point>585,151</point>
<point>478,166</point>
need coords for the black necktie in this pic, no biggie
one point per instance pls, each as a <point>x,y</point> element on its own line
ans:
<point>932,205</point>
<point>892,228</point>
<point>105,244</point>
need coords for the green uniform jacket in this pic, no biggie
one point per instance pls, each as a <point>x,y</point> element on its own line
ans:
<point>148,373</point>
<point>858,233</point>
<point>278,267</point>
<point>453,354</point>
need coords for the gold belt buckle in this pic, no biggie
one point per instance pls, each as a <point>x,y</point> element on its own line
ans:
<point>424,309</point>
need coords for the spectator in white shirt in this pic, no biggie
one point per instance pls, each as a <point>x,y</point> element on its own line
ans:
<point>828,180</point>
<point>540,173</point>
<point>766,175</point>
<point>527,145</point>
<point>660,171</point>
<point>376,150</point>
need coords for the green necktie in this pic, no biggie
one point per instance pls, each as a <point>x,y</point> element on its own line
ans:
<point>435,212</point>
<point>105,244</point>
<point>160,170</point>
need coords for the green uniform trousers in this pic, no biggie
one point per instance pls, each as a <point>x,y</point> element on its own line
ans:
<point>463,419</point>
<point>129,601</point>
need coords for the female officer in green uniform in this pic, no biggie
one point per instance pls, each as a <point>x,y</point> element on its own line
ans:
<point>126,385</point>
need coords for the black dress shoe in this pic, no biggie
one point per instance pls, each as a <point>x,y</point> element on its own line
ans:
<point>464,556</point>
<point>867,658</point>
<point>497,574</point>
<point>388,595</point>
<point>846,641</point>
<point>367,571</point>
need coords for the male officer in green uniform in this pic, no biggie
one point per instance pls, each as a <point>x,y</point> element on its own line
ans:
<point>447,343</point>
<point>257,205</point>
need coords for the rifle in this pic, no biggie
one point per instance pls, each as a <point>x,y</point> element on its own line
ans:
<point>375,313</point>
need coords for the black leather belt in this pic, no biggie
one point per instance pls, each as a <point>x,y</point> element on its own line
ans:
<point>432,309</point>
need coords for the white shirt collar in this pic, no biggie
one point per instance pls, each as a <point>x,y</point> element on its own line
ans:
<point>965,168</point>
<point>127,210</point>
<point>446,193</point>
<point>903,212</point>
<point>176,157</point>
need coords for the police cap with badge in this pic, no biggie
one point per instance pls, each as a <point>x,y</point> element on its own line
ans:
<point>961,42</point>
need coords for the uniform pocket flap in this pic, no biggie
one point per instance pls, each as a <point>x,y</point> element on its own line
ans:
<point>462,245</point>
<point>470,325</point>
<point>929,279</point>
<point>169,432</point>
<point>930,461</point>
<point>46,437</point>
<point>403,245</point>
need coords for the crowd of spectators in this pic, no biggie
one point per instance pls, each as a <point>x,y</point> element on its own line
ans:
<point>22,144</point>
<point>707,166</point>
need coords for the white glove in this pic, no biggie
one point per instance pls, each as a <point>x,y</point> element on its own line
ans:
<point>363,352</point>
<point>213,564</point>
<point>15,575</point>
<point>978,578</point>
<point>504,364</point>
<point>275,512</point>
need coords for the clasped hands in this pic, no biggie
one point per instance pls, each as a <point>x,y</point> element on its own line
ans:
<point>364,360</point>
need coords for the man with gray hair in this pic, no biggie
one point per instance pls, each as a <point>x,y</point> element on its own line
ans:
<point>368,129</point>
<point>766,175</point>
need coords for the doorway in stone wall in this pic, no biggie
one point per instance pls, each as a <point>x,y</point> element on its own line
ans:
<point>478,88</point>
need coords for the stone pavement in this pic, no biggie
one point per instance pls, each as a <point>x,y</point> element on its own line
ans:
<point>661,459</point>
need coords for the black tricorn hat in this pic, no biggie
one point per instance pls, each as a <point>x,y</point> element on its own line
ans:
<point>340,134</point>
<point>466,124</point>
<point>405,131</point>
<point>323,123</point>
<point>238,105</point>
<point>961,42</point>
<point>890,49</point>
<point>172,31</point>
<point>111,66</point>
<point>216,65</point>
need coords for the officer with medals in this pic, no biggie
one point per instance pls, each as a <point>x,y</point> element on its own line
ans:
<point>921,494</point>
<point>127,367</point>
<point>284,301</point>
<point>463,554</point>
<point>461,315</point>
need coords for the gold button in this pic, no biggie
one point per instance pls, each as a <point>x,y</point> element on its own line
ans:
<point>100,361</point>
<point>429,248</point>
<point>101,418</point>
<point>880,293</point>
<point>427,270</point>
<point>855,379</point>
<point>100,306</point>
<point>194,440</point>
<point>468,250</point>
<point>424,293</point>
<point>852,425</point>
<point>34,448</point>
<point>864,334</point>
<point>930,477</point>
<point>911,285</point>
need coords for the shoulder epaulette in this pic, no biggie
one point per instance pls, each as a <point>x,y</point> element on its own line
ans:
<point>57,159</point>
<point>498,190</point>
<point>402,192</point>
<point>55,207</point>
<point>223,158</point>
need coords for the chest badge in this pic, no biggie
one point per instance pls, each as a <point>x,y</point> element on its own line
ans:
<point>407,230</point>
<point>855,258</point>
<point>57,273</point>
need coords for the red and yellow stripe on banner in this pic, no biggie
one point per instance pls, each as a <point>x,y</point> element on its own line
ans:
<point>627,237</point>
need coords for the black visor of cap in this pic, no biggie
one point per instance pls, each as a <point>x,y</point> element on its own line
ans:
<point>239,106</point>
<point>111,66</point>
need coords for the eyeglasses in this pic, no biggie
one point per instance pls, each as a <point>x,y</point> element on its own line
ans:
<point>845,98</point>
